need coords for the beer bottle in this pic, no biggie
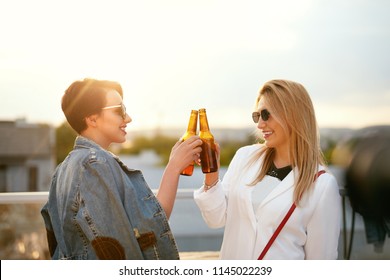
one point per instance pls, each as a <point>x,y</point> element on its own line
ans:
<point>191,131</point>
<point>208,156</point>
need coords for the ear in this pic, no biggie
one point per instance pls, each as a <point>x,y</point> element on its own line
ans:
<point>91,120</point>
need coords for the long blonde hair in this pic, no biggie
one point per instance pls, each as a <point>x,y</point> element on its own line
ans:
<point>292,107</point>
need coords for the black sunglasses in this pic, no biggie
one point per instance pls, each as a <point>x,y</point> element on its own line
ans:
<point>121,109</point>
<point>264,114</point>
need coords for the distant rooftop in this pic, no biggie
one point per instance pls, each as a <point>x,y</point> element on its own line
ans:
<point>19,138</point>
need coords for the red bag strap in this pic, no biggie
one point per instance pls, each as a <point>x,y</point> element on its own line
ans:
<point>282,223</point>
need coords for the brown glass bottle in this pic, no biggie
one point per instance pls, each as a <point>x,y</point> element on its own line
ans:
<point>191,131</point>
<point>208,156</point>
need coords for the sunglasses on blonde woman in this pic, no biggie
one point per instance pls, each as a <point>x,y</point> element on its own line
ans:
<point>264,114</point>
<point>121,109</point>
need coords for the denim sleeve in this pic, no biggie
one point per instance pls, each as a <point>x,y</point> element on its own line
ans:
<point>102,216</point>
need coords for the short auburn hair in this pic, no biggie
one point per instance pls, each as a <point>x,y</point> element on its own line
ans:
<point>84,98</point>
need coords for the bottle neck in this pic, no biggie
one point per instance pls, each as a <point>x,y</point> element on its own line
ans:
<point>204,125</point>
<point>192,124</point>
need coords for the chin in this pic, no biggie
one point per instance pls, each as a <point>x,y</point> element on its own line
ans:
<point>119,140</point>
<point>268,144</point>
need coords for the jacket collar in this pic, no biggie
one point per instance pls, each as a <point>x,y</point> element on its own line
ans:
<point>284,186</point>
<point>83,142</point>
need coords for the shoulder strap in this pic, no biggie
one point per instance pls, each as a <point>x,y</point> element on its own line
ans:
<point>282,223</point>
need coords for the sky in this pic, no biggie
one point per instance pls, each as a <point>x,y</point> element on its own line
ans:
<point>171,56</point>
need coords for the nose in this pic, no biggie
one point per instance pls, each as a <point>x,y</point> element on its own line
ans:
<point>128,119</point>
<point>261,123</point>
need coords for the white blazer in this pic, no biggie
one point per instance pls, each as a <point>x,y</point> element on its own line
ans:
<point>312,232</point>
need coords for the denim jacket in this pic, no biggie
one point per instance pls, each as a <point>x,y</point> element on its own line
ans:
<point>100,209</point>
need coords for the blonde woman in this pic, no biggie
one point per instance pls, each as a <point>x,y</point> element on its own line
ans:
<point>263,182</point>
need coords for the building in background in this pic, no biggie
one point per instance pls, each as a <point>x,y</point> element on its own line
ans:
<point>27,156</point>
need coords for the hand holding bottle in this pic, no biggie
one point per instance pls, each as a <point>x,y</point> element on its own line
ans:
<point>185,152</point>
<point>211,179</point>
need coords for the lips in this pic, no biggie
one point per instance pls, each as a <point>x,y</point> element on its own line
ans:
<point>267,134</point>
<point>123,128</point>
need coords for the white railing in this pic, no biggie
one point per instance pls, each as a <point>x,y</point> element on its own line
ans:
<point>41,197</point>
<point>23,197</point>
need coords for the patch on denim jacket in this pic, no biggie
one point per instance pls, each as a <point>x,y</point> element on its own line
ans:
<point>108,248</point>
<point>145,240</point>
